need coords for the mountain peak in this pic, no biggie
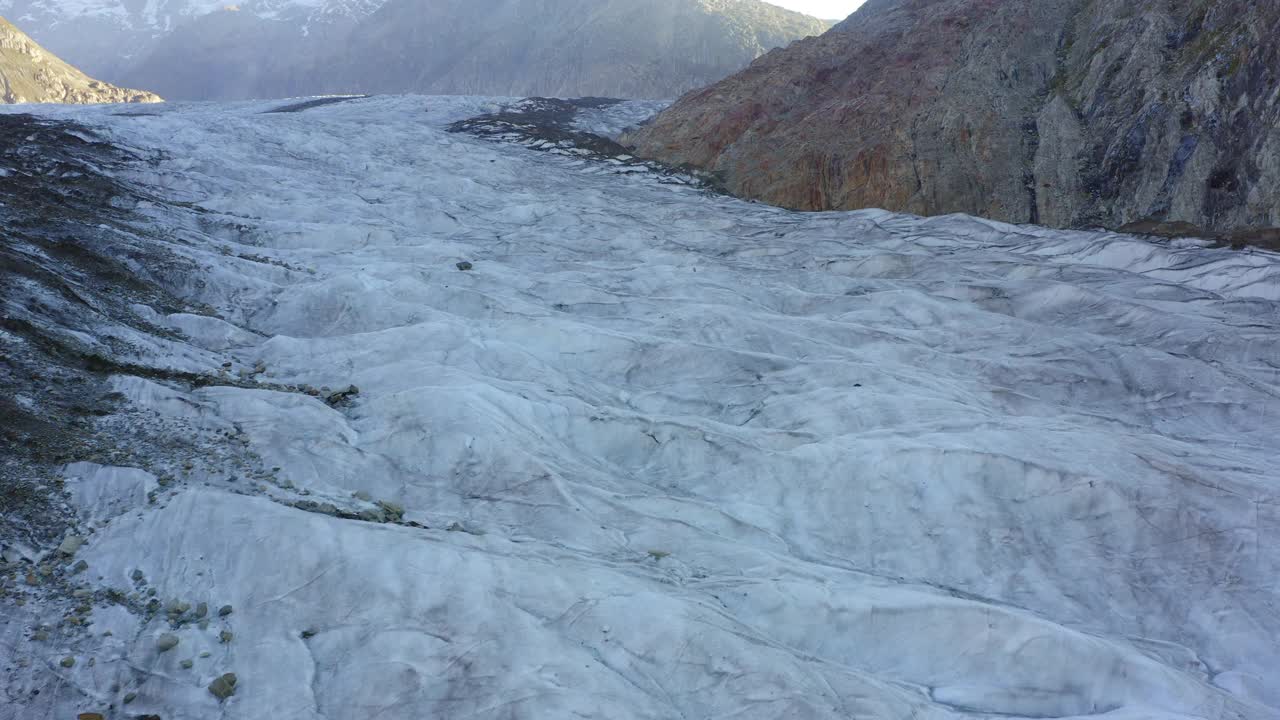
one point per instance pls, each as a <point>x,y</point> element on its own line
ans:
<point>199,50</point>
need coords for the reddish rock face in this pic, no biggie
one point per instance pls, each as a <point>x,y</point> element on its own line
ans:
<point>1061,112</point>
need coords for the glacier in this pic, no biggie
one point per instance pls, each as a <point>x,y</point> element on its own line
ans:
<point>613,446</point>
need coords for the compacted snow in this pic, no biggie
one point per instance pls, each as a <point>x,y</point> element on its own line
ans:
<point>664,454</point>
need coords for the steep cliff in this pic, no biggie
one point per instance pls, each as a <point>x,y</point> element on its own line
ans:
<point>29,74</point>
<point>1061,112</point>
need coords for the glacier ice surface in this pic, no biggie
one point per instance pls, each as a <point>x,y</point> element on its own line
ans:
<point>666,454</point>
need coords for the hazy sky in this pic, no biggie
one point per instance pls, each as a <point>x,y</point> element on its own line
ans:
<point>825,9</point>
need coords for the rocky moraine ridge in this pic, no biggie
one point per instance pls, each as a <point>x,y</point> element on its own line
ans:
<point>88,294</point>
<point>1146,115</point>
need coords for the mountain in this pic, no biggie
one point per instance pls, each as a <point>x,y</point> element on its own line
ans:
<point>1062,112</point>
<point>30,74</point>
<point>387,421</point>
<point>619,48</point>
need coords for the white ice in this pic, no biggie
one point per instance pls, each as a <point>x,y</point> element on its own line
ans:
<point>678,455</point>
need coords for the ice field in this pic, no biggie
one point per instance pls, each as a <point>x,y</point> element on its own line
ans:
<point>659,453</point>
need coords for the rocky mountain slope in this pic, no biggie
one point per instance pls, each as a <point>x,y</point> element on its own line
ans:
<point>621,48</point>
<point>1061,112</point>
<point>29,74</point>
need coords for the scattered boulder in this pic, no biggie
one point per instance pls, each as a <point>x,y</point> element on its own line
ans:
<point>70,545</point>
<point>394,511</point>
<point>167,642</point>
<point>456,526</point>
<point>223,687</point>
<point>318,507</point>
<point>338,397</point>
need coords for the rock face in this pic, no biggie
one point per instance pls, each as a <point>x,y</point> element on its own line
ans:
<point>1060,112</point>
<point>29,74</point>
<point>617,48</point>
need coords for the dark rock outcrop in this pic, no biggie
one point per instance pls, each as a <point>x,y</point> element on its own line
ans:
<point>1061,112</point>
<point>30,74</point>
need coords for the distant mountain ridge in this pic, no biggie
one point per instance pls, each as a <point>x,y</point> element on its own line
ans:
<point>30,74</point>
<point>197,49</point>
<point>1069,113</point>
